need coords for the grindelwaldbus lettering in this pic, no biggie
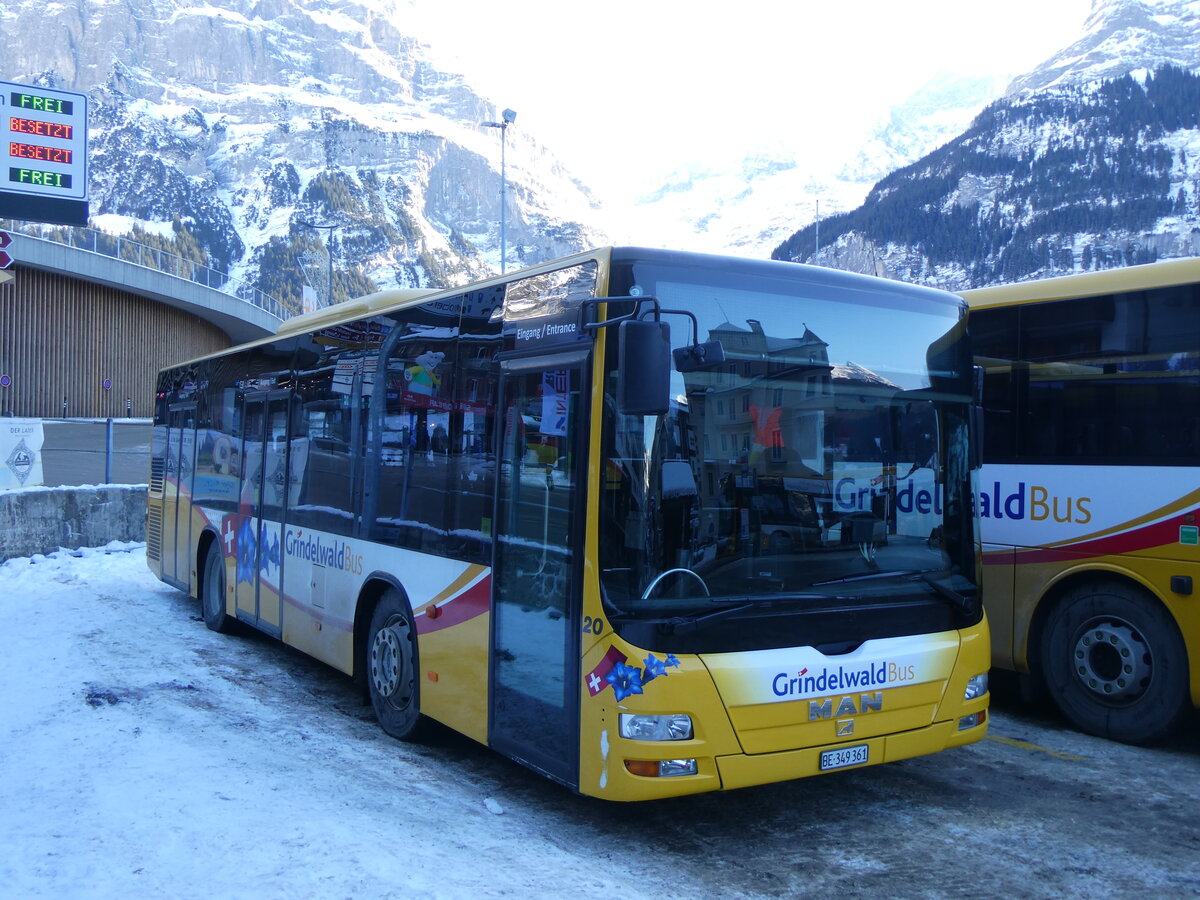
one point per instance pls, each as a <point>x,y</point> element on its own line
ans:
<point>337,554</point>
<point>1000,500</point>
<point>805,683</point>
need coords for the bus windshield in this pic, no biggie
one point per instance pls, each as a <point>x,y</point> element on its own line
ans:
<point>823,465</point>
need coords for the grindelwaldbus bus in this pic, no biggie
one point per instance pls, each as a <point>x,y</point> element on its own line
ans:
<point>502,508</point>
<point>1090,494</point>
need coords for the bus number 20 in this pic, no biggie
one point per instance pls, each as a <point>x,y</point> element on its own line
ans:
<point>593,626</point>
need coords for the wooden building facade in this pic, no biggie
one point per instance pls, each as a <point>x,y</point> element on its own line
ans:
<point>71,348</point>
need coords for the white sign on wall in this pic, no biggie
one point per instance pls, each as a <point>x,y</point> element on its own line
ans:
<point>20,452</point>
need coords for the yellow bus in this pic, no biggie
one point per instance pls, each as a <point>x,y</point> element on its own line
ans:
<point>1089,498</point>
<point>535,509</point>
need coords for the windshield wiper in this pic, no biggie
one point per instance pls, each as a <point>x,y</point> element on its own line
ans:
<point>960,601</point>
<point>684,624</point>
<point>869,576</point>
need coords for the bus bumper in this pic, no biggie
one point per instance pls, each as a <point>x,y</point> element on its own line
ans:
<point>766,768</point>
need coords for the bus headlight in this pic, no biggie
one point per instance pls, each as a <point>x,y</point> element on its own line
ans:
<point>675,727</point>
<point>976,687</point>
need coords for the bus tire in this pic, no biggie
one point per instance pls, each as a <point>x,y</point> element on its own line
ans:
<point>1115,663</point>
<point>212,592</point>
<point>391,667</point>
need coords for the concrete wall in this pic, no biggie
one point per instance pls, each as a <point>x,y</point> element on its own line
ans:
<point>43,520</point>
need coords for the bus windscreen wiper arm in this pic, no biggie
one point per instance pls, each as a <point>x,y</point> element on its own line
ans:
<point>898,573</point>
<point>679,624</point>
<point>961,601</point>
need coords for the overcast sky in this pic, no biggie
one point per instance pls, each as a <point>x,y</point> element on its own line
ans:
<point>630,89</point>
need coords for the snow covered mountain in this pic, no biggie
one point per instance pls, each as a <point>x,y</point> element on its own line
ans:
<point>749,207</point>
<point>237,120</point>
<point>1090,161</point>
<point>1121,37</point>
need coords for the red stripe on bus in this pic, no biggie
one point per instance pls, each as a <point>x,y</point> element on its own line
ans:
<point>1150,537</point>
<point>474,601</point>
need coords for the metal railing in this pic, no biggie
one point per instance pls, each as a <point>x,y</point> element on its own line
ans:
<point>139,254</point>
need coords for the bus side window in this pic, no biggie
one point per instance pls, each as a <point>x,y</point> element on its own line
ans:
<point>994,338</point>
<point>477,387</point>
<point>322,464</point>
<point>414,484</point>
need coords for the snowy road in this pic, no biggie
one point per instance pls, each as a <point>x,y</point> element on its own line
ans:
<point>144,756</point>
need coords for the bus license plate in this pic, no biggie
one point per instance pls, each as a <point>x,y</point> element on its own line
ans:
<point>844,756</point>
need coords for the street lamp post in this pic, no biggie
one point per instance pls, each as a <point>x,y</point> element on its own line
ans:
<point>329,255</point>
<point>508,117</point>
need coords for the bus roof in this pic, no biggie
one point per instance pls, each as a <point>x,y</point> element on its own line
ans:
<point>388,301</point>
<point>352,309</point>
<point>1164,273</point>
<point>391,300</point>
<point>398,298</point>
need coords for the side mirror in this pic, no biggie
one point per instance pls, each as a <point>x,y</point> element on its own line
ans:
<point>644,363</point>
<point>699,356</point>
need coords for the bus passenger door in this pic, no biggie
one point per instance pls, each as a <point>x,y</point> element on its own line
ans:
<point>181,450</point>
<point>271,514</point>
<point>262,494</point>
<point>535,591</point>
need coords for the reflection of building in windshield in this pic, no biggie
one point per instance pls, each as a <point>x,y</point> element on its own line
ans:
<point>765,435</point>
<point>763,406</point>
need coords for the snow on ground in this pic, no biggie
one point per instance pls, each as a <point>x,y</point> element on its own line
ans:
<point>145,756</point>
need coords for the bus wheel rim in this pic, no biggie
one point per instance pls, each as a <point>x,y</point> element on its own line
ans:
<point>389,665</point>
<point>1112,660</point>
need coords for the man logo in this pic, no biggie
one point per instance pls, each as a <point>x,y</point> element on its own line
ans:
<point>845,728</point>
<point>823,709</point>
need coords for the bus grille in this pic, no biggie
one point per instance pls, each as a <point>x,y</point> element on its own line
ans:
<point>154,518</point>
<point>158,470</point>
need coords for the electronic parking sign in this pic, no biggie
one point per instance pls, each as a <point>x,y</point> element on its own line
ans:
<point>43,155</point>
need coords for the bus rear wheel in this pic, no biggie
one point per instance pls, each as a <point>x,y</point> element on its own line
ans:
<point>1115,664</point>
<point>392,667</point>
<point>212,592</point>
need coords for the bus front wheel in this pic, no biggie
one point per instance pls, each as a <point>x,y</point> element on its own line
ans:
<point>212,592</point>
<point>1115,663</point>
<point>392,667</point>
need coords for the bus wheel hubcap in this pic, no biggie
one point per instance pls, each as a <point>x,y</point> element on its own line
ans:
<point>1112,659</point>
<point>388,663</point>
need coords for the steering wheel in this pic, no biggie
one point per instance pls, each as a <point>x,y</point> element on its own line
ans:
<point>663,575</point>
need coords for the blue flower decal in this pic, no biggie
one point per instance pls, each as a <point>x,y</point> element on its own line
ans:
<point>625,680</point>
<point>654,668</point>
<point>246,547</point>
<point>269,552</point>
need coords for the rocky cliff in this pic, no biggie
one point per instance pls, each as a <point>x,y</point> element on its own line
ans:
<point>239,121</point>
